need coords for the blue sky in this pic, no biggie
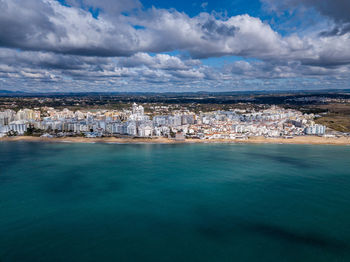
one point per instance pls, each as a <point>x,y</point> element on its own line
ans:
<point>192,8</point>
<point>144,45</point>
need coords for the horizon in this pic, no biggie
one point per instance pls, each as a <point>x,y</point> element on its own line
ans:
<point>238,92</point>
<point>144,46</point>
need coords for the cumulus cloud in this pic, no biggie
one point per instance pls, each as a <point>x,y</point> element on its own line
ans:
<point>336,10</point>
<point>46,25</point>
<point>86,43</point>
<point>159,61</point>
<point>140,69</point>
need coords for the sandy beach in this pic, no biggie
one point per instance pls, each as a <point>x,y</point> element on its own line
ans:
<point>252,140</point>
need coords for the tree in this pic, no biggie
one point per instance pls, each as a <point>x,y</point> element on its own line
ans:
<point>172,134</point>
<point>30,130</point>
<point>12,133</point>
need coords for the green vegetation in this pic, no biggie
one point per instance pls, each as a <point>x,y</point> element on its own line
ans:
<point>12,133</point>
<point>32,131</point>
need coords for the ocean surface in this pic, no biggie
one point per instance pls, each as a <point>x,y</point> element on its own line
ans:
<point>183,202</point>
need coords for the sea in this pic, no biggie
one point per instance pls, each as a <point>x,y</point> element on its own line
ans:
<point>174,202</point>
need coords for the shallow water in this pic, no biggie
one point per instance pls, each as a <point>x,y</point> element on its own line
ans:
<point>183,202</point>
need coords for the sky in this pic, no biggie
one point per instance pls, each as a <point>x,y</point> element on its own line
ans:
<point>174,46</point>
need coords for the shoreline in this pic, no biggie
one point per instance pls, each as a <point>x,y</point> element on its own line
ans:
<point>311,140</point>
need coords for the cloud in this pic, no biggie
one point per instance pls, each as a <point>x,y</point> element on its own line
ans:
<point>268,70</point>
<point>336,10</point>
<point>46,25</point>
<point>337,30</point>
<point>120,44</point>
<point>214,31</point>
<point>31,70</point>
<point>207,36</point>
<point>140,69</point>
<point>159,61</point>
<point>49,26</point>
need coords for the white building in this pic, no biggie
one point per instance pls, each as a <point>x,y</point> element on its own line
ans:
<point>137,110</point>
<point>131,128</point>
<point>18,126</point>
<point>315,130</point>
<point>145,131</point>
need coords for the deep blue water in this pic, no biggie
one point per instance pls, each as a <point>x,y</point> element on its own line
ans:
<point>203,202</point>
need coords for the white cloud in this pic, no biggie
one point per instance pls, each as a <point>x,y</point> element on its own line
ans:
<point>47,41</point>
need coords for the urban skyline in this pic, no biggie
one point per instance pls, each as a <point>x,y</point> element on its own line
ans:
<point>181,123</point>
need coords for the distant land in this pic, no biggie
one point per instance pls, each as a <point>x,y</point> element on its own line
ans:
<point>202,93</point>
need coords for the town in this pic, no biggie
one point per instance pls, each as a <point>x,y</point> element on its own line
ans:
<point>161,122</point>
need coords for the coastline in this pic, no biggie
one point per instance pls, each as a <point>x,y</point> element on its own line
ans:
<point>312,140</point>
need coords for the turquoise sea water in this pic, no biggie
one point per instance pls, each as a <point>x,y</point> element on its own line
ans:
<point>203,202</point>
